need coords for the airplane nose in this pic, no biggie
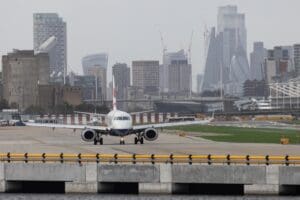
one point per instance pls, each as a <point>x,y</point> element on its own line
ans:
<point>122,125</point>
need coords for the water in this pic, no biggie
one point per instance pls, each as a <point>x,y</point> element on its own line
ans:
<point>134,197</point>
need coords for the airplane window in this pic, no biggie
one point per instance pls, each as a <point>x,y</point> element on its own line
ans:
<point>121,118</point>
<point>125,118</point>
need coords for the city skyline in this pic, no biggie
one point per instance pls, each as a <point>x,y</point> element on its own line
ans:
<point>122,34</point>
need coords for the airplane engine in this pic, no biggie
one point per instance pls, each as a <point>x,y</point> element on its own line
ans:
<point>88,135</point>
<point>150,134</point>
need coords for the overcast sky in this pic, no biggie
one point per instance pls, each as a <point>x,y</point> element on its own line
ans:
<point>129,29</point>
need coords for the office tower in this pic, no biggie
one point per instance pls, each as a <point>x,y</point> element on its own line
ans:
<point>145,75</point>
<point>199,83</point>
<point>90,85</point>
<point>297,57</point>
<point>109,91</point>
<point>99,73</point>
<point>232,25</point>
<point>164,68</point>
<point>270,70</point>
<point>23,72</point>
<point>52,95</point>
<point>179,73</point>
<point>45,26</point>
<point>235,68</point>
<point>257,58</point>
<point>279,63</point>
<point>213,63</point>
<point>227,65</point>
<point>92,60</point>
<point>96,65</point>
<point>121,73</point>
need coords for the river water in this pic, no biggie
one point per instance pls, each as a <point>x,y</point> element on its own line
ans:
<point>134,197</point>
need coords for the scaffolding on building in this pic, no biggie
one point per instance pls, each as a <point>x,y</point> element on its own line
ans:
<point>285,94</point>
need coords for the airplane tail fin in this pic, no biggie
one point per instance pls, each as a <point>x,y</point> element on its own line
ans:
<point>114,98</point>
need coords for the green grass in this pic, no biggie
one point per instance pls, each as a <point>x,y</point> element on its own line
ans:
<point>242,135</point>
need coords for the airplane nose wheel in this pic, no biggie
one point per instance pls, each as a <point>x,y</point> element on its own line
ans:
<point>122,141</point>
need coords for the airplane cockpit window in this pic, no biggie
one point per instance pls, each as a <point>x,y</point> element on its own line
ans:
<point>122,118</point>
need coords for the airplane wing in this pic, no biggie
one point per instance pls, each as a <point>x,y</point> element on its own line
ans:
<point>69,126</point>
<point>141,112</point>
<point>169,124</point>
<point>89,113</point>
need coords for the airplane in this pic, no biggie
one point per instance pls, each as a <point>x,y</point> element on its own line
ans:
<point>119,123</point>
<point>95,118</point>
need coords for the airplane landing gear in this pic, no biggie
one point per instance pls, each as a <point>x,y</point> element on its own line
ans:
<point>135,140</point>
<point>98,139</point>
<point>122,141</point>
<point>139,139</point>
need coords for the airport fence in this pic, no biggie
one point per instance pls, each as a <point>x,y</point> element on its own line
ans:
<point>151,158</point>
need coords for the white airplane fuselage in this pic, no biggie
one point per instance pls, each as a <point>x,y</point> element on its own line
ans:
<point>119,122</point>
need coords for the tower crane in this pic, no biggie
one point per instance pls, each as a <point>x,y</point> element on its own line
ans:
<point>164,70</point>
<point>190,48</point>
<point>190,62</point>
<point>164,47</point>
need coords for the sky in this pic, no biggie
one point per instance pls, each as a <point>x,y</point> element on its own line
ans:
<point>130,29</point>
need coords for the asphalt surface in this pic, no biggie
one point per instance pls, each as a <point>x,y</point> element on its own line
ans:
<point>45,140</point>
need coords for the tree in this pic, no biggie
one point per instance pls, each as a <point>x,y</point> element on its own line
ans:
<point>4,104</point>
<point>14,105</point>
<point>64,108</point>
<point>84,107</point>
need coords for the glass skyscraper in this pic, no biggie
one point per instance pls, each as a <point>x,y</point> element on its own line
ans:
<point>46,25</point>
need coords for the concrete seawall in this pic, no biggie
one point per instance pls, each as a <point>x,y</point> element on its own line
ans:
<point>148,178</point>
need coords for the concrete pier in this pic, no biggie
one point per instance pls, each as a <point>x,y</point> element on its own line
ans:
<point>2,178</point>
<point>271,184</point>
<point>88,184</point>
<point>150,178</point>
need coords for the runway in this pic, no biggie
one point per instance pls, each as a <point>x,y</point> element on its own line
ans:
<point>40,140</point>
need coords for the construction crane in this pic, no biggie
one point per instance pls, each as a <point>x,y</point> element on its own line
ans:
<point>190,63</point>
<point>164,51</point>
<point>164,47</point>
<point>190,48</point>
